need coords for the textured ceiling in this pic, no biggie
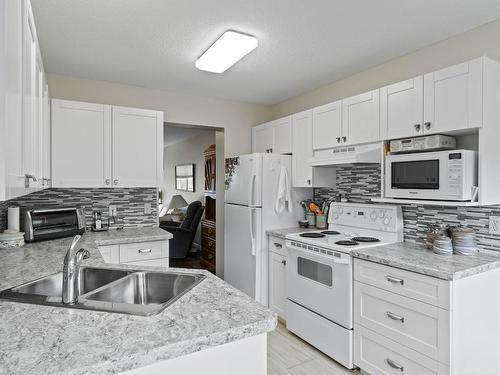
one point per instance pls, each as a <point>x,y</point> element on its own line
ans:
<point>302,44</point>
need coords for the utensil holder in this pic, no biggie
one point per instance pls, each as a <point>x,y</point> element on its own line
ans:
<point>321,221</point>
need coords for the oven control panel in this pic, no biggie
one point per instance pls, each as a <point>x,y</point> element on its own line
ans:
<point>387,218</point>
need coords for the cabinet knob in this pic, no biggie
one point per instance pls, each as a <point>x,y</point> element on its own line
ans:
<point>278,245</point>
<point>309,182</point>
<point>283,262</point>
<point>115,182</point>
<point>338,139</point>
<point>417,127</point>
<point>344,139</point>
<point>427,125</point>
<point>108,181</point>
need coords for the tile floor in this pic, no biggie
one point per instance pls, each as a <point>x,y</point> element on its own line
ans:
<point>287,354</point>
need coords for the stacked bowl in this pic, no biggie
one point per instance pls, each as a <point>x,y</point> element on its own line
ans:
<point>464,241</point>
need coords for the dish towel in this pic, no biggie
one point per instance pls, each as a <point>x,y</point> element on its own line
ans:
<point>284,196</point>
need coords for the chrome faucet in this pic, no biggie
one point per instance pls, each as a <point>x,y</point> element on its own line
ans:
<point>71,270</point>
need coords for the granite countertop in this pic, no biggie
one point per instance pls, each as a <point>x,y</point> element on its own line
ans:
<point>415,257</point>
<point>53,340</point>
<point>281,233</point>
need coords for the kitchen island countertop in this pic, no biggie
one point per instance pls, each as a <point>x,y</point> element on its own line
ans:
<point>51,340</point>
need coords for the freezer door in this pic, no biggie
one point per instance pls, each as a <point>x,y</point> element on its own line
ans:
<point>242,248</point>
<point>245,185</point>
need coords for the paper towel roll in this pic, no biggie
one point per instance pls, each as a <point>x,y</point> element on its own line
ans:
<point>13,218</point>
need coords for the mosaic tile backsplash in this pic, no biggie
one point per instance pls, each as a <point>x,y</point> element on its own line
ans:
<point>361,183</point>
<point>129,204</point>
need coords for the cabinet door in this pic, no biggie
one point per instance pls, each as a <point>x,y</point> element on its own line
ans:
<point>282,136</point>
<point>453,98</point>
<point>302,152</point>
<point>29,90</point>
<point>277,283</point>
<point>327,125</point>
<point>37,134</point>
<point>262,138</point>
<point>361,118</point>
<point>81,139</point>
<point>402,109</point>
<point>13,81</point>
<point>137,145</point>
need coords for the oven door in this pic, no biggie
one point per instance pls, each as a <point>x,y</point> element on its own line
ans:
<point>320,283</point>
<point>419,176</point>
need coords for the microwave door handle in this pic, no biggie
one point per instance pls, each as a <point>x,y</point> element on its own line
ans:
<point>252,236</point>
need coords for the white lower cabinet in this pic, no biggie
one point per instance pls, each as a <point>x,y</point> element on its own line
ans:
<point>150,253</point>
<point>277,276</point>
<point>409,323</point>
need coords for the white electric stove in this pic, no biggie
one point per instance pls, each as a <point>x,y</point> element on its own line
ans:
<point>320,273</point>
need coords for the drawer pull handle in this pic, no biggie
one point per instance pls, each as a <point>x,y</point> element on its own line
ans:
<point>395,317</point>
<point>395,365</point>
<point>144,251</point>
<point>278,245</point>
<point>395,280</point>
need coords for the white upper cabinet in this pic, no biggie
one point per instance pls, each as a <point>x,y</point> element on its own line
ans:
<point>96,145</point>
<point>81,144</point>
<point>453,97</point>
<point>282,129</point>
<point>361,118</point>
<point>327,125</point>
<point>401,109</point>
<point>137,147</point>
<point>273,137</point>
<point>302,173</point>
<point>262,138</point>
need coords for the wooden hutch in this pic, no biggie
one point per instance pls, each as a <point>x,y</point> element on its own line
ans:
<point>208,226</point>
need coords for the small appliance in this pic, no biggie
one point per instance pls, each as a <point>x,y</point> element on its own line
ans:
<point>427,143</point>
<point>49,223</point>
<point>319,273</point>
<point>441,175</point>
<point>360,154</point>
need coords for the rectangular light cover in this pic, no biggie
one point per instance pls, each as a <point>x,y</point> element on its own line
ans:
<point>226,51</point>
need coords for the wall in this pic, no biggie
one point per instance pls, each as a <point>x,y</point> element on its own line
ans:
<point>235,117</point>
<point>189,151</point>
<point>129,204</point>
<point>361,183</point>
<point>477,42</point>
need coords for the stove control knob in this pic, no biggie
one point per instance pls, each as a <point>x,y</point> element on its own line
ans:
<point>387,220</point>
<point>340,210</point>
<point>381,213</point>
<point>373,215</point>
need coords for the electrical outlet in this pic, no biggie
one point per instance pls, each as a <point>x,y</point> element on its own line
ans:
<point>147,208</point>
<point>494,227</point>
<point>112,211</point>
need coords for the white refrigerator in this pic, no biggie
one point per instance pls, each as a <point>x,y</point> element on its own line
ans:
<point>250,198</point>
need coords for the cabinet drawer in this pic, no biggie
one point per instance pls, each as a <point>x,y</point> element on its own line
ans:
<point>143,251</point>
<point>207,266</point>
<point>277,245</point>
<point>208,255</point>
<point>207,231</point>
<point>410,284</point>
<point>208,244</point>
<point>377,354</point>
<point>417,325</point>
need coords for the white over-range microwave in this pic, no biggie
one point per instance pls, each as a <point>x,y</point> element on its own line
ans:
<point>443,175</point>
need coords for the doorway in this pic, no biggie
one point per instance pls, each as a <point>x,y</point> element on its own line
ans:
<point>192,195</point>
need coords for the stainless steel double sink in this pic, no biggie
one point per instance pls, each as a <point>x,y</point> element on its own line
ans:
<point>135,292</point>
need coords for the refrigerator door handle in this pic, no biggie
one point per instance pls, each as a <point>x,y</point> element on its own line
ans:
<point>252,236</point>
<point>251,191</point>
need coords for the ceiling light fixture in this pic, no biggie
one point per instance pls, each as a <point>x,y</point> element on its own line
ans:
<point>231,47</point>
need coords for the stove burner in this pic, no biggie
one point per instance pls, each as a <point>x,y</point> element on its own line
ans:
<point>365,239</point>
<point>312,235</point>
<point>330,232</point>
<point>346,243</point>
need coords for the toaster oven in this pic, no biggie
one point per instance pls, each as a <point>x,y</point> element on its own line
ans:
<point>49,223</point>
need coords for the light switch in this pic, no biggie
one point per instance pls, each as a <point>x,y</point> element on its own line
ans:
<point>494,227</point>
<point>147,208</point>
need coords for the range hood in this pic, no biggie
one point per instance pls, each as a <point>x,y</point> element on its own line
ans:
<point>370,153</point>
